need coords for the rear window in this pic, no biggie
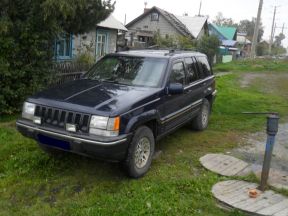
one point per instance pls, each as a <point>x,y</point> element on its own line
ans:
<point>191,70</point>
<point>204,65</point>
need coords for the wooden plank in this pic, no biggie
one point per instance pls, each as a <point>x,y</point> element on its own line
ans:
<point>234,194</point>
<point>250,202</point>
<point>283,212</point>
<point>238,189</point>
<point>212,161</point>
<point>224,164</point>
<point>223,189</point>
<point>235,168</point>
<point>270,210</point>
<point>273,199</point>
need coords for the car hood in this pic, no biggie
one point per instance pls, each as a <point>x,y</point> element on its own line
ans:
<point>98,96</point>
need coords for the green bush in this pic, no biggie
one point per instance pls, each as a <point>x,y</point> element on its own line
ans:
<point>208,45</point>
<point>28,29</point>
<point>85,58</point>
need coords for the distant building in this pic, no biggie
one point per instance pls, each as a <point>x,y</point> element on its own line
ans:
<point>228,37</point>
<point>142,29</point>
<point>97,42</point>
<point>244,45</point>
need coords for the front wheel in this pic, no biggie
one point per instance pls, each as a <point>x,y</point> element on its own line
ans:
<point>200,122</point>
<point>140,152</point>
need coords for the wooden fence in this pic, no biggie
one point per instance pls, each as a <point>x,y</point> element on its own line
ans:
<point>68,71</point>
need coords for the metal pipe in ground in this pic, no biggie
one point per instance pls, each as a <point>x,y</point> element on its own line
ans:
<point>272,129</point>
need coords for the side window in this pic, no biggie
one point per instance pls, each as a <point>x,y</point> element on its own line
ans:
<point>204,65</point>
<point>177,74</point>
<point>191,70</point>
<point>198,65</point>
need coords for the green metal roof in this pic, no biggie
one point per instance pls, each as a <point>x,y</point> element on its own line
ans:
<point>227,32</point>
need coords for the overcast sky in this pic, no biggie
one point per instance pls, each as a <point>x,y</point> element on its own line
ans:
<point>235,9</point>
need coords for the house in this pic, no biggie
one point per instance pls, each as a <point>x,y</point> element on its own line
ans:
<point>142,29</point>
<point>228,37</point>
<point>98,42</point>
<point>244,45</point>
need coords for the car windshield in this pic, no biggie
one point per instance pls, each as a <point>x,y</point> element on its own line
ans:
<point>127,70</point>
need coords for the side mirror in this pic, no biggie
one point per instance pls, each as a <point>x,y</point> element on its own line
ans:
<point>175,88</point>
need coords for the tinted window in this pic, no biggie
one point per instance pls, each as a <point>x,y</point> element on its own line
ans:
<point>204,65</point>
<point>126,70</point>
<point>177,74</point>
<point>191,70</point>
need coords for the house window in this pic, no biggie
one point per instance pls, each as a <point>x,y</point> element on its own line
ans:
<point>154,16</point>
<point>63,47</point>
<point>101,44</point>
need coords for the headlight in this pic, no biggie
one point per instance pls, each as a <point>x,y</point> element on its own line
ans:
<point>104,126</point>
<point>28,110</point>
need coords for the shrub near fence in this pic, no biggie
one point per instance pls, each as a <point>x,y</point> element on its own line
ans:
<point>17,85</point>
<point>68,71</point>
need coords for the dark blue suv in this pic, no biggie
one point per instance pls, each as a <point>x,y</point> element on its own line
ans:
<point>122,105</point>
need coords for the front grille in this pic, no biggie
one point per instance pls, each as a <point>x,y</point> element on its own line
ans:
<point>58,118</point>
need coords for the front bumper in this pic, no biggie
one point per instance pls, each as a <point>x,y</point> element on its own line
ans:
<point>108,148</point>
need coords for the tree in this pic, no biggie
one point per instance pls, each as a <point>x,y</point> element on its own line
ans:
<point>209,45</point>
<point>220,20</point>
<point>278,39</point>
<point>248,26</point>
<point>262,49</point>
<point>277,48</point>
<point>161,42</point>
<point>186,43</point>
<point>28,29</point>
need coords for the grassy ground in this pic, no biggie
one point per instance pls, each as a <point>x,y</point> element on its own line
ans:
<point>253,66</point>
<point>31,183</point>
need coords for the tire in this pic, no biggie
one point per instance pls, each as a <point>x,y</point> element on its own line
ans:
<point>51,151</point>
<point>200,122</point>
<point>135,164</point>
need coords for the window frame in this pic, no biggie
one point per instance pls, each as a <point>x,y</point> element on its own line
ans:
<point>184,69</point>
<point>67,39</point>
<point>153,17</point>
<point>100,43</point>
<point>203,60</point>
<point>201,74</point>
<point>193,68</point>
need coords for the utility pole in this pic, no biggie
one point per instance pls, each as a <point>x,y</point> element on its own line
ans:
<point>199,14</point>
<point>272,31</point>
<point>256,30</point>
<point>283,27</point>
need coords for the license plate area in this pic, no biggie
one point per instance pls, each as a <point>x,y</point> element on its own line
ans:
<point>53,142</point>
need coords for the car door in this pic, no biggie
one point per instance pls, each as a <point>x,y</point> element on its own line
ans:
<point>208,81</point>
<point>176,108</point>
<point>194,86</point>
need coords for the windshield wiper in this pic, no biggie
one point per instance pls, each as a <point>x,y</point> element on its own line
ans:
<point>110,81</point>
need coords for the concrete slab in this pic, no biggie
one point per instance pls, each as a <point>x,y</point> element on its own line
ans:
<point>235,194</point>
<point>225,165</point>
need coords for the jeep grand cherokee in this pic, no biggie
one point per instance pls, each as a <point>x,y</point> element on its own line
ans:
<point>122,105</point>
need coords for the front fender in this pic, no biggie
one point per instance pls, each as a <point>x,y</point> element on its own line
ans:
<point>141,119</point>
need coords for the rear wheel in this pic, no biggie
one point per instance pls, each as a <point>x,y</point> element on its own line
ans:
<point>200,122</point>
<point>140,152</point>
